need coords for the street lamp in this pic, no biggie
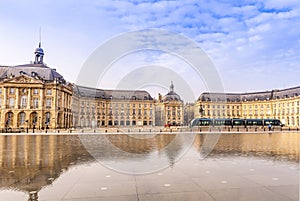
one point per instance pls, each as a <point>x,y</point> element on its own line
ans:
<point>46,123</point>
<point>27,125</point>
<point>39,123</point>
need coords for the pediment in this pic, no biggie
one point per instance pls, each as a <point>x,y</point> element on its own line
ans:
<point>23,79</point>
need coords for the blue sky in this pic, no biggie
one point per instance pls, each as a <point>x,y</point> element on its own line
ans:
<point>255,45</point>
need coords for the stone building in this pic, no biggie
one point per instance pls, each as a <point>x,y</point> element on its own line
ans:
<point>277,104</point>
<point>94,108</point>
<point>169,109</point>
<point>34,96</point>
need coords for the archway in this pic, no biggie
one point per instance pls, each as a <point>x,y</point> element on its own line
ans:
<point>9,119</point>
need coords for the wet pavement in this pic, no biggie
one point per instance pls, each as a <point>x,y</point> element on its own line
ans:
<point>149,167</point>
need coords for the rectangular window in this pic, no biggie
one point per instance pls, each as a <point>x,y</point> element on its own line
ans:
<point>11,90</point>
<point>11,102</point>
<point>35,102</point>
<point>35,91</point>
<point>23,101</point>
<point>49,92</point>
<point>48,102</point>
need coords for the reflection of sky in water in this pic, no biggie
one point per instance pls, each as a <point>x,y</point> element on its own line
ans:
<point>51,165</point>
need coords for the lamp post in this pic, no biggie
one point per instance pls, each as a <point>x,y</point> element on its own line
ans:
<point>27,125</point>
<point>46,123</point>
<point>33,127</point>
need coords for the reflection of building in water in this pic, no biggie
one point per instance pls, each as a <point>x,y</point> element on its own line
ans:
<point>29,163</point>
<point>280,104</point>
<point>281,146</point>
<point>140,144</point>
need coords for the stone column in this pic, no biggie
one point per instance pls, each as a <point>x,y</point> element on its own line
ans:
<point>4,100</point>
<point>29,98</point>
<point>17,101</point>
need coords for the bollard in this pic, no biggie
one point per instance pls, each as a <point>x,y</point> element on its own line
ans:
<point>94,131</point>
<point>200,130</point>
<point>238,129</point>
<point>106,131</point>
<point>150,130</point>
<point>139,130</point>
<point>289,129</point>
<point>159,130</point>
<point>264,129</point>
<point>128,130</point>
<point>170,130</point>
<point>228,129</point>
<point>58,131</point>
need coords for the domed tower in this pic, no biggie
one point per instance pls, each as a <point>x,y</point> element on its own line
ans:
<point>39,55</point>
<point>173,108</point>
<point>171,96</point>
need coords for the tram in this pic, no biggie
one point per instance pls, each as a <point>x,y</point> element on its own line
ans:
<point>234,122</point>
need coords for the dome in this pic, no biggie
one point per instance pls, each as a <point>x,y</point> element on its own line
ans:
<point>171,96</point>
<point>39,51</point>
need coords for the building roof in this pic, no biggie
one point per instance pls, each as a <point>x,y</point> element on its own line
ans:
<point>40,71</point>
<point>171,96</point>
<point>111,94</point>
<point>253,96</point>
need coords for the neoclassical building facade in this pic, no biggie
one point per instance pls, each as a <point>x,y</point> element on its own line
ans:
<point>276,104</point>
<point>35,96</point>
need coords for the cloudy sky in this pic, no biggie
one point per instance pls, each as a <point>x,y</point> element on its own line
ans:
<point>254,45</point>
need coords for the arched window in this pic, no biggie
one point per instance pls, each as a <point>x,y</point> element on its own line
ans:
<point>47,117</point>
<point>22,118</point>
<point>9,119</point>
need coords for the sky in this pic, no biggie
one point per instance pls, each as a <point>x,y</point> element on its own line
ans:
<point>254,45</point>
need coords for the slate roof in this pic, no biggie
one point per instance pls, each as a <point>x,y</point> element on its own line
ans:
<point>41,71</point>
<point>111,94</point>
<point>172,96</point>
<point>253,96</point>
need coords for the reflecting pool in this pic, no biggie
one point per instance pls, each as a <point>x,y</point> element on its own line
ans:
<point>172,166</point>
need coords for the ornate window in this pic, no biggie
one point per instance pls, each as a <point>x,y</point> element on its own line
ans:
<point>22,118</point>
<point>23,101</point>
<point>48,103</point>
<point>11,90</point>
<point>11,102</point>
<point>35,91</point>
<point>49,92</point>
<point>35,103</point>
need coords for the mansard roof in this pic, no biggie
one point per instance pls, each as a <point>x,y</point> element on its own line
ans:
<point>111,94</point>
<point>253,96</point>
<point>40,71</point>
